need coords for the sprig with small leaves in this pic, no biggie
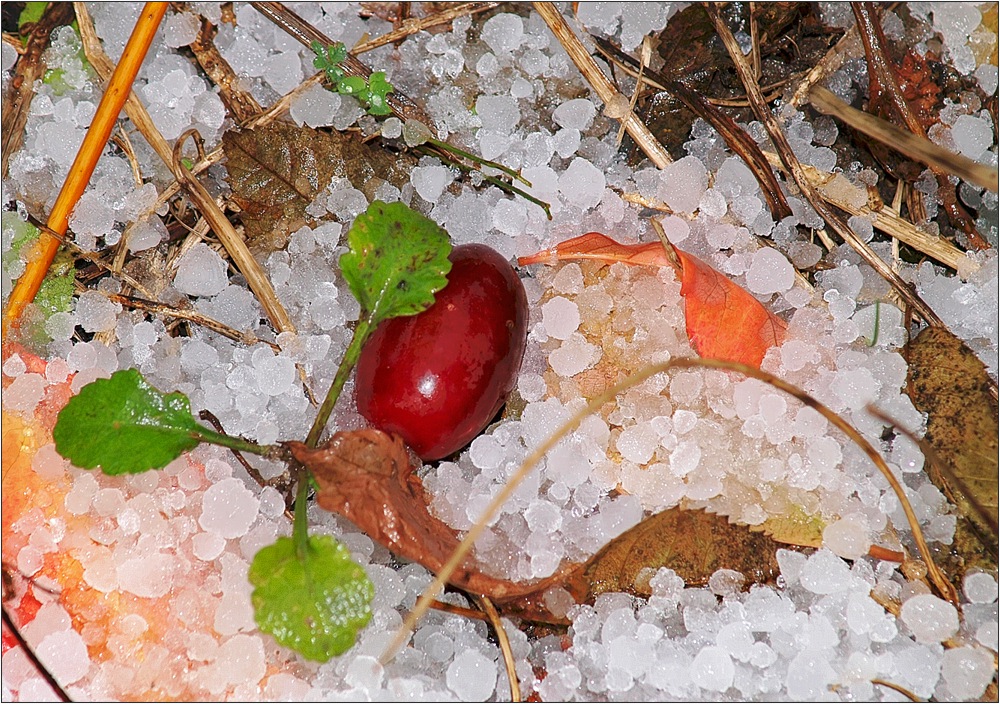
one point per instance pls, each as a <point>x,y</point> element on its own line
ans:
<point>370,92</point>
<point>308,592</point>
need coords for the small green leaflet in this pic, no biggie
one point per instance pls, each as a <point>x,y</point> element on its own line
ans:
<point>378,88</point>
<point>125,425</point>
<point>398,260</point>
<point>328,60</point>
<point>315,607</point>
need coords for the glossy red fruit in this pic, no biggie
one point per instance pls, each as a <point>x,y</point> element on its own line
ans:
<point>439,377</point>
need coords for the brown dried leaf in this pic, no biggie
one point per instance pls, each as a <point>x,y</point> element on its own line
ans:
<point>366,476</point>
<point>277,170</point>
<point>949,383</point>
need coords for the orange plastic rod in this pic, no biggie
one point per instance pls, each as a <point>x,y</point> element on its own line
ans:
<point>44,250</point>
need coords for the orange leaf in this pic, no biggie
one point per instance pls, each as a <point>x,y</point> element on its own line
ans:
<point>594,245</point>
<point>723,321</point>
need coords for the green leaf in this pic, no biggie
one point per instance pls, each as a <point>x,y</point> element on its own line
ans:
<point>328,59</point>
<point>352,85</point>
<point>398,260</point>
<point>125,425</point>
<point>378,88</point>
<point>32,12</point>
<point>316,605</point>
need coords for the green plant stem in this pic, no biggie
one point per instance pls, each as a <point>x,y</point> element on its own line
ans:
<point>233,443</point>
<point>475,158</point>
<point>875,334</point>
<point>361,333</point>
<point>499,183</point>
<point>300,527</point>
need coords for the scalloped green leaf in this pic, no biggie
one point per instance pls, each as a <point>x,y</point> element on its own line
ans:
<point>398,260</point>
<point>124,425</point>
<point>315,605</point>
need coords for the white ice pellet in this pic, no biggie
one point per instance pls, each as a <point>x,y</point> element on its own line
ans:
<point>207,546</point>
<point>825,573</point>
<point>980,588</point>
<point>472,676</point>
<point>180,29</point>
<point>577,114</point>
<point>503,33</point>
<point>637,443</point>
<point>582,184</point>
<point>561,317</point>
<point>228,508</point>
<point>848,537</point>
<point>930,618</point>
<point>430,181</point>
<point>769,272</point>
<point>972,135</point>
<point>65,654</point>
<point>150,576</point>
<point>713,669</point>
<point>682,184</point>
<point>315,107</point>
<point>274,374</point>
<point>95,312</point>
<point>574,356</point>
<point>486,452</point>
<point>685,458</point>
<point>967,671</point>
<point>201,271</point>
<point>24,393</point>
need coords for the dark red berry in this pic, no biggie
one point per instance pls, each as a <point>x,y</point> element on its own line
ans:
<point>438,378</point>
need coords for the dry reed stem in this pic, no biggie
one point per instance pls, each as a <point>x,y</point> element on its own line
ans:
<point>235,246</point>
<point>913,145</point>
<point>885,220</point>
<point>493,618</point>
<point>119,87</point>
<point>507,490</point>
<point>605,90</point>
<point>413,25</point>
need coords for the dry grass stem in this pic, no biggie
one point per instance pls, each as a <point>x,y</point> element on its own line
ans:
<point>915,146</point>
<point>235,246</point>
<point>507,490</point>
<point>493,618</point>
<point>605,90</point>
<point>414,25</point>
<point>842,194</point>
<point>402,106</point>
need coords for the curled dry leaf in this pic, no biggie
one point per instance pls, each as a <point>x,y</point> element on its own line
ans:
<point>723,320</point>
<point>277,170</point>
<point>366,476</point>
<point>948,382</point>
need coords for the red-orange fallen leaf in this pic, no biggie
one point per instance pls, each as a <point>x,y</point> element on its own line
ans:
<point>723,320</point>
<point>366,476</point>
<point>594,245</point>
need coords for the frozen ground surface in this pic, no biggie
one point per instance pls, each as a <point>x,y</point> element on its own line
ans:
<point>170,549</point>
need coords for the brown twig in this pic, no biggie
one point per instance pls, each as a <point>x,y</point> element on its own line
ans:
<point>191,316</point>
<point>912,145</point>
<point>402,106</point>
<point>493,618</point>
<point>30,68</point>
<point>794,167</point>
<point>239,102</point>
<point>898,688</point>
<point>616,103</point>
<point>886,97</point>
<point>235,246</point>
<point>413,25</point>
<point>836,190</point>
